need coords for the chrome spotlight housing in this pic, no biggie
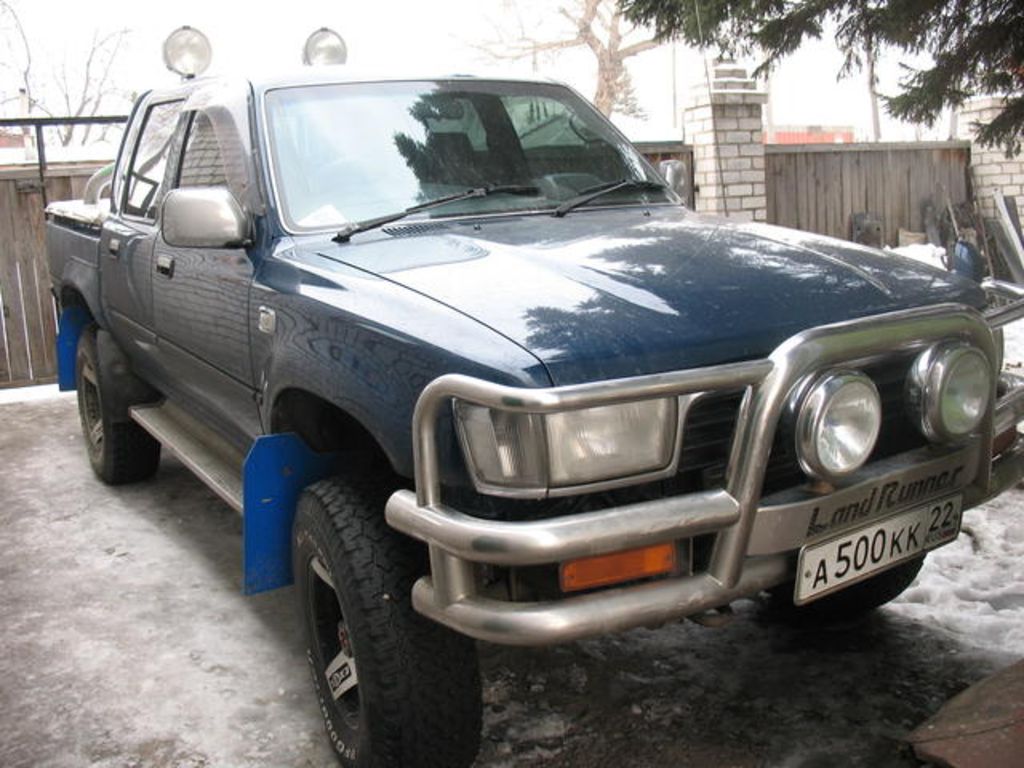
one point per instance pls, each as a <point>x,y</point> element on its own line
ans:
<point>324,47</point>
<point>949,389</point>
<point>187,52</point>
<point>839,416</point>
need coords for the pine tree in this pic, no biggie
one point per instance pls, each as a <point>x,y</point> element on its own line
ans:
<point>977,46</point>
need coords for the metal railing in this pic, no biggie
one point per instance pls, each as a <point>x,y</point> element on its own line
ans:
<point>37,124</point>
<point>458,542</point>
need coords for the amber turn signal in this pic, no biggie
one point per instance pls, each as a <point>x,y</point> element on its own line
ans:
<point>602,570</point>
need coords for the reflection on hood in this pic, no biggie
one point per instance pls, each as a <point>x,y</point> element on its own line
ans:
<point>610,293</point>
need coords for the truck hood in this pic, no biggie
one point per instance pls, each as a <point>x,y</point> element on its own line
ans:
<point>611,293</point>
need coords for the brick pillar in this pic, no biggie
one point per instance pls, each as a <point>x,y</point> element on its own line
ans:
<point>725,128</point>
<point>991,170</point>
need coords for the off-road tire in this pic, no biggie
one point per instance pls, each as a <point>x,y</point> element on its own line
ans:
<point>119,451</point>
<point>852,603</point>
<point>417,702</point>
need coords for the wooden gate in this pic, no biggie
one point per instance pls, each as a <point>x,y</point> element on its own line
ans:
<point>656,151</point>
<point>818,187</point>
<point>28,323</point>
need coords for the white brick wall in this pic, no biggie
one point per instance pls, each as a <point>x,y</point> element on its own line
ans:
<point>724,127</point>
<point>991,170</point>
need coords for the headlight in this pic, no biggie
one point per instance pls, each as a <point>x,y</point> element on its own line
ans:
<point>837,424</point>
<point>948,390</point>
<point>531,454</point>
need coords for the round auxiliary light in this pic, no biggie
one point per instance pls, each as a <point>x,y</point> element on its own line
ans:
<point>949,388</point>
<point>187,51</point>
<point>324,47</point>
<point>837,424</point>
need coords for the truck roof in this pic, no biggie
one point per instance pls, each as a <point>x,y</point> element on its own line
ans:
<point>328,75</point>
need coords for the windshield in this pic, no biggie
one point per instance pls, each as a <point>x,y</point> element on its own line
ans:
<point>351,152</point>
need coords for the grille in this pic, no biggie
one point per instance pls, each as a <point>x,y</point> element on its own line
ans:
<point>711,424</point>
<point>707,439</point>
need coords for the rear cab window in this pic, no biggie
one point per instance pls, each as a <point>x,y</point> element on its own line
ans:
<point>144,181</point>
<point>202,164</point>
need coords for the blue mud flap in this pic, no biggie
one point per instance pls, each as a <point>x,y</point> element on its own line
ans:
<point>276,470</point>
<point>72,321</point>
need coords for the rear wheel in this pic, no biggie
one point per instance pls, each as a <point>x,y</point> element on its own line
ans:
<point>854,602</point>
<point>395,689</point>
<point>119,451</point>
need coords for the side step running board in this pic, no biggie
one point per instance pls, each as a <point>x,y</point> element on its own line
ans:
<point>214,461</point>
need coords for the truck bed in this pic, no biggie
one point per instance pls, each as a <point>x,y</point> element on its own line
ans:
<point>73,234</point>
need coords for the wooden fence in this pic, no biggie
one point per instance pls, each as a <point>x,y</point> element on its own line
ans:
<point>27,313</point>
<point>656,151</point>
<point>811,187</point>
<point>818,187</point>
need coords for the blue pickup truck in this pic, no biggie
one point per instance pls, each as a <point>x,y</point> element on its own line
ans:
<point>471,371</point>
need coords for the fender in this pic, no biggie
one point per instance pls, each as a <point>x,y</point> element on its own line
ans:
<point>121,387</point>
<point>276,470</point>
<point>70,325</point>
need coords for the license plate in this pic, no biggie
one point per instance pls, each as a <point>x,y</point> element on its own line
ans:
<point>852,557</point>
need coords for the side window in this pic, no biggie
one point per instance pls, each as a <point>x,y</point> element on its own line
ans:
<point>202,164</point>
<point>146,173</point>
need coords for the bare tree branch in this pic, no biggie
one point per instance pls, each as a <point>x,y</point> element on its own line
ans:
<point>599,26</point>
<point>77,90</point>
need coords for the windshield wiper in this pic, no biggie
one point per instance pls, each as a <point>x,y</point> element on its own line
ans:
<point>603,189</point>
<point>356,227</point>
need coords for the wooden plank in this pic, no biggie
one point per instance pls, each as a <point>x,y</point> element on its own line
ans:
<point>28,252</point>
<point>805,183</point>
<point>782,192</point>
<point>835,194</point>
<point>882,146</point>
<point>846,165</point>
<point>878,177</point>
<point>5,368</point>
<point>10,286</point>
<point>813,188</point>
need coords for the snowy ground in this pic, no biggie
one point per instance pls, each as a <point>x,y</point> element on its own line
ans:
<point>126,643</point>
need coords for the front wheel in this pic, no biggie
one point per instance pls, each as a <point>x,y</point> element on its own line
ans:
<point>395,689</point>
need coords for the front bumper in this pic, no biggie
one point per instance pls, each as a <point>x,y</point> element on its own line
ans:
<point>755,538</point>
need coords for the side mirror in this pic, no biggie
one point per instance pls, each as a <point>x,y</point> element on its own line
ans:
<point>203,217</point>
<point>677,174</point>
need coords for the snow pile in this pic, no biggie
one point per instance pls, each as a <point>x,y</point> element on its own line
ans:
<point>974,587</point>
<point>926,253</point>
<point>1014,349</point>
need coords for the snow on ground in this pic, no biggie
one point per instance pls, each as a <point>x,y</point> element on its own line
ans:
<point>128,643</point>
<point>974,587</point>
<point>926,253</point>
<point>31,394</point>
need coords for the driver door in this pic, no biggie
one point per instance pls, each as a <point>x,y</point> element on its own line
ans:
<point>201,306</point>
<point>129,235</point>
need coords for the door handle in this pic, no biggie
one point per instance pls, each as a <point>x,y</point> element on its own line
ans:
<point>165,265</point>
<point>114,247</point>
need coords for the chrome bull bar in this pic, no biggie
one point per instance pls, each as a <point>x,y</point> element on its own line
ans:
<point>458,542</point>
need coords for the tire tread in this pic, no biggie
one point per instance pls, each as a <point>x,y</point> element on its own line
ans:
<point>424,677</point>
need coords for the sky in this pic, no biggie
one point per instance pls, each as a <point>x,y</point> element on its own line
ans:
<point>417,38</point>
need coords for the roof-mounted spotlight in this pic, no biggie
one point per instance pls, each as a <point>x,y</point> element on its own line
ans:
<point>187,51</point>
<point>324,47</point>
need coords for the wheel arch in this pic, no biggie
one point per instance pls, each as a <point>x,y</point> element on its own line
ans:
<point>327,427</point>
